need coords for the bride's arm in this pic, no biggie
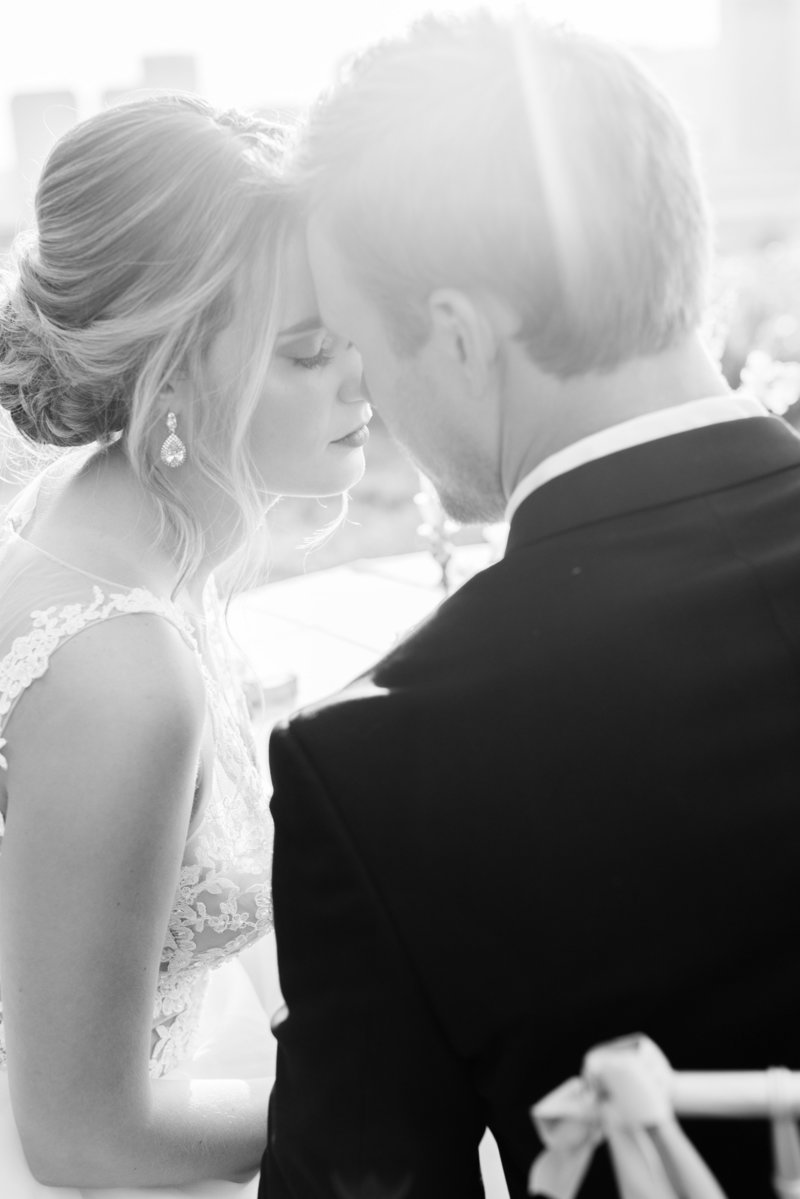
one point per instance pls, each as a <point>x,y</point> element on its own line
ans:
<point>102,753</point>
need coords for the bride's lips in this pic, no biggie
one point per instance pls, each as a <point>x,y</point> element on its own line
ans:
<point>358,436</point>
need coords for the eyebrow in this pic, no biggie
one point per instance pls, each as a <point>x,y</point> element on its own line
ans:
<point>305,326</point>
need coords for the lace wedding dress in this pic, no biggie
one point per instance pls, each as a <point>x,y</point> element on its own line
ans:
<point>209,1017</point>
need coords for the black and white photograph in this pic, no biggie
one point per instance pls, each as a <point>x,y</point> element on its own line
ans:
<point>400,599</point>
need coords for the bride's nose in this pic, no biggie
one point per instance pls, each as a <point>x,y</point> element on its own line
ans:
<point>352,387</point>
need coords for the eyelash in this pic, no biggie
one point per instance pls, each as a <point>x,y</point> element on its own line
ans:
<point>320,359</point>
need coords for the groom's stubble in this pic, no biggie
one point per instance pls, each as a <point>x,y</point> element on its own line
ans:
<point>465,475</point>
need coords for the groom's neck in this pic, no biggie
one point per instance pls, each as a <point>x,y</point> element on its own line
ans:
<point>544,414</point>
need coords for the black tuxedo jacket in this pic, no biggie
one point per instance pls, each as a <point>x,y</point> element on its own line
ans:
<point>565,809</point>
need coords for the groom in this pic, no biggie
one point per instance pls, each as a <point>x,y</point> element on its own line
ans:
<point>567,808</point>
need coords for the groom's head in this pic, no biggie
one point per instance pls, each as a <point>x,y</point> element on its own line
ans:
<point>483,187</point>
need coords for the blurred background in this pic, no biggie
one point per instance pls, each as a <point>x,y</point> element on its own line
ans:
<point>731,66</point>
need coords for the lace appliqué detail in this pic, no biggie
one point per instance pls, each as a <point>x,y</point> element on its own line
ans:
<point>29,655</point>
<point>223,900</point>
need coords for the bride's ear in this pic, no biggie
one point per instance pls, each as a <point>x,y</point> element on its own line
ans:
<point>176,396</point>
<point>465,328</point>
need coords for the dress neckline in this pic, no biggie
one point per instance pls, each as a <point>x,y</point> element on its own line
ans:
<point>89,574</point>
<point>21,512</point>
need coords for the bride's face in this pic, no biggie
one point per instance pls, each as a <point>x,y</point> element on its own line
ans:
<point>308,432</point>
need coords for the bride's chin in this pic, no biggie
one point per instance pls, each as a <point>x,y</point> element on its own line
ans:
<point>359,465</point>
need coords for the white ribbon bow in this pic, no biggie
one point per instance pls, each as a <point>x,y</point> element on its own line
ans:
<point>623,1093</point>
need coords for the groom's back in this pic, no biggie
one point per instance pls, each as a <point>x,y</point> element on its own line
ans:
<point>566,810</point>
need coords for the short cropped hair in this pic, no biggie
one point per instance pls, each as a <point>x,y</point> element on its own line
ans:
<point>527,159</point>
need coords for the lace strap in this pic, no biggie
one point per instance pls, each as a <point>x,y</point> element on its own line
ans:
<point>30,653</point>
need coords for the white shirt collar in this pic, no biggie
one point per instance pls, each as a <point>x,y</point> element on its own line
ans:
<point>652,425</point>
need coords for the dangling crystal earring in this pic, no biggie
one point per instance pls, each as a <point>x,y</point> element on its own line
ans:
<point>173,451</point>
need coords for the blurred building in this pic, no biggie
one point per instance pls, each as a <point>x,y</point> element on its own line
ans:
<point>174,71</point>
<point>40,118</point>
<point>741,97</point>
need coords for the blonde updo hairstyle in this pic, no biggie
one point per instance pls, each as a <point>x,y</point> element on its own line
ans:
<point>158,223</point>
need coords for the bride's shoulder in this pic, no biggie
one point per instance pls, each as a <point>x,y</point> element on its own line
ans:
<point>123,689</point>
<point>136,651</point>
<point>141,669</point>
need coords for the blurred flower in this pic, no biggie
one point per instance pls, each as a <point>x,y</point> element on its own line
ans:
<point>717,321</point>
<point>437,528</point>
<point>775,383</point>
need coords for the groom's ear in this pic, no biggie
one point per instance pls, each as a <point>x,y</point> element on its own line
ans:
<point>464,328</point>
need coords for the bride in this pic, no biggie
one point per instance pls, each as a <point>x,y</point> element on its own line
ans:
<point>163,320</point>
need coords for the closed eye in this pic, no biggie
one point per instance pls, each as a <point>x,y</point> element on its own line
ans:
<point>322,358</point>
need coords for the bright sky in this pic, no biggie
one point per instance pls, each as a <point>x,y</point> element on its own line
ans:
<point>252,52</point>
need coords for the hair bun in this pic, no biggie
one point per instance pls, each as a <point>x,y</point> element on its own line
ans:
<point>45,386</point>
